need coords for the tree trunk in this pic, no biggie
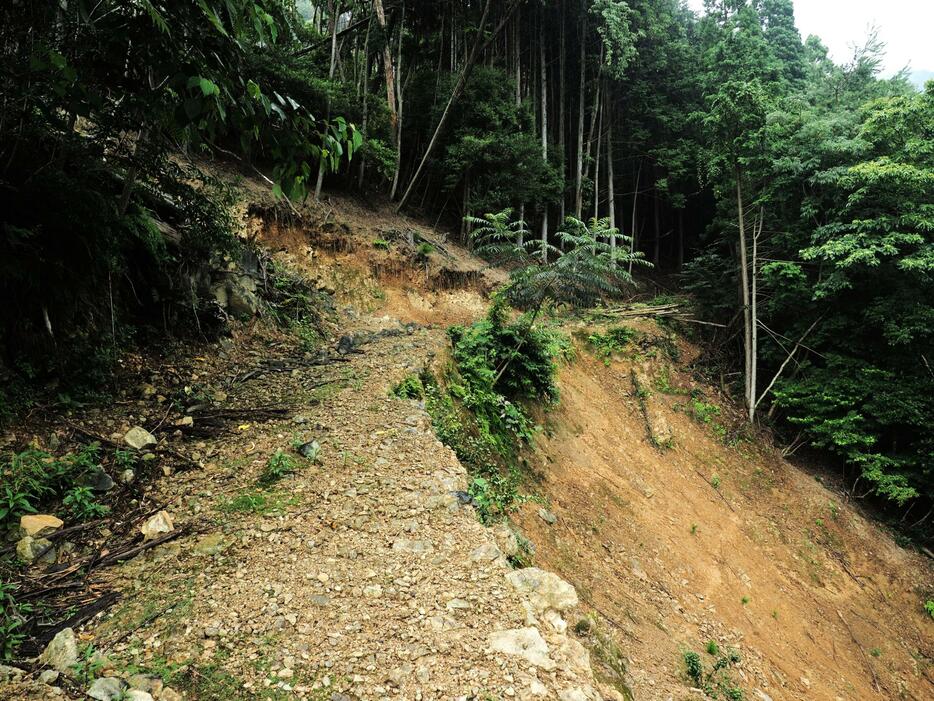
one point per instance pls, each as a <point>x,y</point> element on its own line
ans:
<point>388,69</point>
<point>544,99</point>
<point>611,188</point>
<point>399,89</point>
<point>596,165</point>
<point>680,239</point>
<point>747,308</point>
<point>366,91</point>
<point>561,97</point>
<point>334,12</point>
<point>658,230</point>
<point>579,172</point>
<point>635,201</point>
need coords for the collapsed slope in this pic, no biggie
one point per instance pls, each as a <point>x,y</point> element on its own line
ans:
<point>677,531</point>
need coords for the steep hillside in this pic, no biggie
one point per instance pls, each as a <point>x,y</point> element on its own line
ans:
<point>711,536</point>
<point>321,545</point>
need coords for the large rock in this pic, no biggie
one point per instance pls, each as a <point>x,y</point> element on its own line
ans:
<point>545,589</point>
<point>157,525</point>
<point>29,549</point>
<point>61,654</point>
<point>526,643</point>
<point>139,438</point>
<point>108,689</point>
<point>37,525</point>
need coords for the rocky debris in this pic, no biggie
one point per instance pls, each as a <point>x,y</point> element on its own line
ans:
<point>653,411</point>
<point>139,438</point>
<point>211,544</point>
<point>544,589</point>
<point>157,525</point>
<point>37,525</point>
<point>547,516</point>
<point>29,549</point>
<point>506,540</point>
<point>416,547</point>
<point>526,643</point>
<point>108,689</point>
<point>61,654</point>
<point>7,672</point>
<point>235,293</point>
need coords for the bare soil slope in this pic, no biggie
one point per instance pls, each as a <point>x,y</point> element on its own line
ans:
<point>674,546</point>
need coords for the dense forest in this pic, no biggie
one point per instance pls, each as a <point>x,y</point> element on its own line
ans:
<point>790,196</point>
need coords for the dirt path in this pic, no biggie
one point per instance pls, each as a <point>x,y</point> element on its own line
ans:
<point>361,576</point>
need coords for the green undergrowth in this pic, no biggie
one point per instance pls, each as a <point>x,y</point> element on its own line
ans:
<point>715,677</point>
<point>34,479</point>
<point>478,402</point>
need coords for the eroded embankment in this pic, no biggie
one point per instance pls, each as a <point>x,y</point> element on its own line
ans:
<point>678,528</point>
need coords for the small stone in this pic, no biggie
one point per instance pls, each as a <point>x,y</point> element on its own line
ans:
<point>62,652</point>
<point>211,544</point>
<point>169,694</point>
<point>147,391</point>
<point>137,695</point>
<point>139,438</point>
<point>7,672</point>
<point>485,553</point>
<point>157,525</point>
<point>373,591</point>
<point>185,421</point>
<point>107,689</point>
<point>97,480</point>
<point>547,516</point>
<point>48,676</point>
<point>127,476</point>
<point>416,547</point>
<point>39,524</point>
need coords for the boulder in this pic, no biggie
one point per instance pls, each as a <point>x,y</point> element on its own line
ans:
<point>544,589</point>
<point>547,516</point>
<point>157,525</point>
<point>29,549</point>
<point>36,525</point>
<point>139,438</point>
<point>526,643</point>
<point>108,689</point>
<point>61,654</point>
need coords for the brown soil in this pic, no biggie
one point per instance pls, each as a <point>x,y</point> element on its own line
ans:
<point>820,602</point>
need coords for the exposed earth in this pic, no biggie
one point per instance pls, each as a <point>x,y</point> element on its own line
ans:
<point>365,574</point>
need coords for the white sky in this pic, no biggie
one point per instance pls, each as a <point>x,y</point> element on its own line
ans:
<point>906,26</point>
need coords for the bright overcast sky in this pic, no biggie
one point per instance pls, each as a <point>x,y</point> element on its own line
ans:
<point>906,27</point>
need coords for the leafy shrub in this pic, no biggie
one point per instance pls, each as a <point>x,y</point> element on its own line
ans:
<point>33,477</point>
<point>279,465</point>
<point>81,503</point>
<point>694,667</point>
<point>929,607</point>
<point>703,412</point>
<point>13,617</point>
<point>614,340</point>
<point>716,683</point>
<point>410,388</point>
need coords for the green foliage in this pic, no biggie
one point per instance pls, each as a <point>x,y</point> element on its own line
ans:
<point>716,682</point>
<point>702,412</point>
<point>34,477</point>
<point>613,340</point>
<point>409,388</point>
<point>929,607</point>
<point>14,615</point>
<point>279,465</point>
<point>81,503</point>
<point>476,411</point>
